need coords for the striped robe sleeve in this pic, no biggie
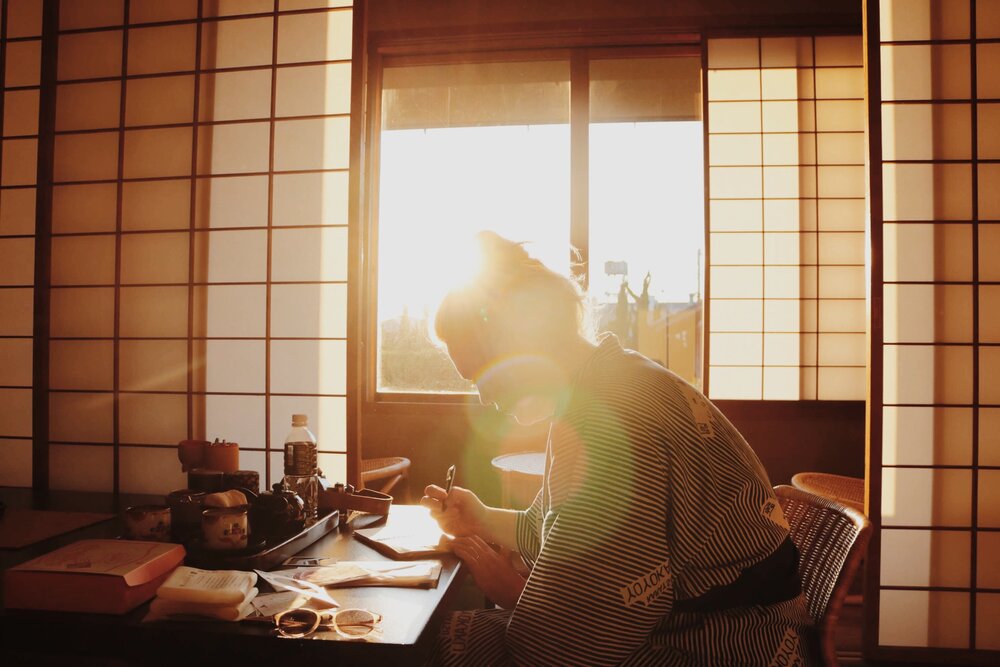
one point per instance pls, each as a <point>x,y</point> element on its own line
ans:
<point>602,579</point>
<point>529,527</point>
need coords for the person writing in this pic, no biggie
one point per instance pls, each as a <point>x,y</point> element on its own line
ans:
<point>656,537</point>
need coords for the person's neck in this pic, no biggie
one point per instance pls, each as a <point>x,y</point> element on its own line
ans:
<point>571,358</point>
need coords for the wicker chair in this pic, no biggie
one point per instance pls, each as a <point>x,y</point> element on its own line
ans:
<point>847,490</point>
<point>832,539</point>
<point>392,469</point>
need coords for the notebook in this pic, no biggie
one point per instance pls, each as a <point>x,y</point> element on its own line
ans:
<point>403,542</point>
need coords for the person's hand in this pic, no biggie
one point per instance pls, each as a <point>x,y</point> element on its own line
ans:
<point>491,569</point>
<point>463,514</point>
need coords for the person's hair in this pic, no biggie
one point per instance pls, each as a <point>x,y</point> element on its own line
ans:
<point>514,295</point>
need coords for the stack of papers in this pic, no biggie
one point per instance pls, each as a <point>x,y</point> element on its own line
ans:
<point>224,594</point>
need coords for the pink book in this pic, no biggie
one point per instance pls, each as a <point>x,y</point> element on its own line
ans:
<point>96,576</point>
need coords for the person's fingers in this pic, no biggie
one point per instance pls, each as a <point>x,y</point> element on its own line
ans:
<point>432,503</point>
<point>485,548</point>
<point>435,491</point>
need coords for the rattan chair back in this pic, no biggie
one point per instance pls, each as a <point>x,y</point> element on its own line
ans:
<point>832,539</point>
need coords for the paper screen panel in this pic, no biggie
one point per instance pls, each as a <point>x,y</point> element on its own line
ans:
<point>89,55</point>
<point>309,255</point>
<point>156,205</point>
<point>20,157</point>
<point>83,208</point>
<point>310,311</point>
<point>15,362</point>
<point>926,558</point>
<point>77,14</point>
<point>313,90</point>
<point>326,359</point>
<point>152,418</point>
<point>23,63</point>
<point>161,49</point>
<point>238,256</point>
<point>927,374</point>
<point>87,106</point>
<point>17,211</point>
<point>150,470</point>
<point>152,365</point>
<point>243,94</point>
<point>231,366</point>
<point>153,312</point>
<point>231,311</point>
<point>81,467</point>
<point>926,436</point>
<point>924,618</point>
<point>15,419</point>
<point>237,7</point>
<point>310,199</point>
<point>159,100</point>
<point>17,305</point>
<point>939,185</point>
<point>235,201</point>
<point>20,115</point>
<point>237,43</point>
<point>16,454</point>
<point>81,417</point>
<point>21,20</point>
<point>786,121</point>
<point>161,256</point>
<point>233,149</point>
<point>154,258</point>
<point>81,312</point>
<point>237,419</point>
<point>311,144</point>
<point>314,38</point>
<point>149,11</point>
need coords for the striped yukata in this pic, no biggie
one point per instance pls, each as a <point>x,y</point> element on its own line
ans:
<point>650,497</point>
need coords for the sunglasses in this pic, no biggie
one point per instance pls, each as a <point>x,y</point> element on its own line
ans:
<point>348,623</point>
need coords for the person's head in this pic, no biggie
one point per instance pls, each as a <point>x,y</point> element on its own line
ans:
<point>509,329</point>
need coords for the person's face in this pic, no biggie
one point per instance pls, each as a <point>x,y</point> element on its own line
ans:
<point>519,385</point>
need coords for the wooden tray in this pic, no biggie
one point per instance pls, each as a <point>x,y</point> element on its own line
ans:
<point>262,557</point>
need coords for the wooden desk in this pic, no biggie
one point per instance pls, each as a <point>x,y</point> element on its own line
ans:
<point>411,617</point>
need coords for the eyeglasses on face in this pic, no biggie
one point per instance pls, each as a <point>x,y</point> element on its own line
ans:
<point>348,623</point>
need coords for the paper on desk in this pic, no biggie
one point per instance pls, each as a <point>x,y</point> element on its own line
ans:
<point>415,574</point>
<point>269,604</point>
<point>280,581</point>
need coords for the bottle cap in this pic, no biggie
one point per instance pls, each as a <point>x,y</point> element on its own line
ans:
<point>300,420</point>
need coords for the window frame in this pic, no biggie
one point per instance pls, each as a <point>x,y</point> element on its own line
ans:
<point>578,53</point>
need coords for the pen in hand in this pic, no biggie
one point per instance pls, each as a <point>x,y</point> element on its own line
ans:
<point>449,481</point>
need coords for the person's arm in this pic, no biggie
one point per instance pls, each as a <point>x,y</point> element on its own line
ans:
<point>602,579</point>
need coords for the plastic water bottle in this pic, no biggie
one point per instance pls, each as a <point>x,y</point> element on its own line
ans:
<point>301,474</point>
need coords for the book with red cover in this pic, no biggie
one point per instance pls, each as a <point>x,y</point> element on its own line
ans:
<point>97,576</point>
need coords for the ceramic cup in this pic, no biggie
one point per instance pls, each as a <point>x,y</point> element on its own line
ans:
<point>185,513</point>
<point>148,522</point>
<point>225,528</point>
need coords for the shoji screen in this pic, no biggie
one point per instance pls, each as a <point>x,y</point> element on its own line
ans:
<point>199,234</point>
<point>938,543</point>
<point>20,59</point>
<point>786,218</point>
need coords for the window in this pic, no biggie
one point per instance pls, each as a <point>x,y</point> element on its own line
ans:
<point>496,144</point>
